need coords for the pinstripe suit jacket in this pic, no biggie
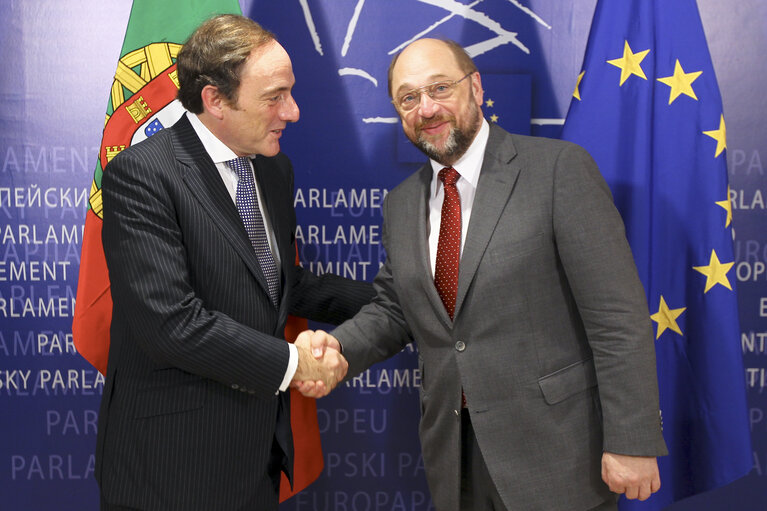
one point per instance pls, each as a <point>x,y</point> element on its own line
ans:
<point>190,414</point>
<point>551,339</point>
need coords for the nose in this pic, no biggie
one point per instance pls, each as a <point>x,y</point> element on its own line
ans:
<point>289,111</point>
<point>427,106</point>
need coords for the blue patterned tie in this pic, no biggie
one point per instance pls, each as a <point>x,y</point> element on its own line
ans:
<point>247,205</point>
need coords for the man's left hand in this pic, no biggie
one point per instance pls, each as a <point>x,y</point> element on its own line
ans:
<point>635,476</point>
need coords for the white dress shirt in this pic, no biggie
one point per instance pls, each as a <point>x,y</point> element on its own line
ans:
<point>468,166</point>
<point>220,154</point>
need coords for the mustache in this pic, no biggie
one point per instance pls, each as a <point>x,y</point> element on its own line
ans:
<point>434,120</point>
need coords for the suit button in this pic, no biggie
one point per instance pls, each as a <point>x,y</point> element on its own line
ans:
<point>235,386</point>
<point>460,346</point>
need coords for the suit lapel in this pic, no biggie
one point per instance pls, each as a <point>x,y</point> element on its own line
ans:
<point>269,183</point>
<point>417,211</point>
<point>496,182</point>
<point>205,183</point>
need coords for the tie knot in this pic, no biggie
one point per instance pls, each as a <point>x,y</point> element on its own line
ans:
<point>449,176</point>
<point>240,166</point>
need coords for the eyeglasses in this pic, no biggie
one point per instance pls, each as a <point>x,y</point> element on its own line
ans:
<point>438,91</point>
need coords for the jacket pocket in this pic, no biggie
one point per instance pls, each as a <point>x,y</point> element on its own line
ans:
<point>169,399</point>
<point>508,248</point>
<point>568,381</point>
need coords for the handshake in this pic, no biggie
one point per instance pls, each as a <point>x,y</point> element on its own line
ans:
<point>320,363</point>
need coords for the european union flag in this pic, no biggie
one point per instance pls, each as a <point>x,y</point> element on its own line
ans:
<point>647,107</point>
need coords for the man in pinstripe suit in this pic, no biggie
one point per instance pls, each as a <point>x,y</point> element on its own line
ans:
<point>195,414</point>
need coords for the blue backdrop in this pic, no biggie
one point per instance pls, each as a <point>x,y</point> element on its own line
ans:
<point>348,150</point>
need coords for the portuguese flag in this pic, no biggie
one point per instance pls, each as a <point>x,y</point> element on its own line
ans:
<point>143,101</point>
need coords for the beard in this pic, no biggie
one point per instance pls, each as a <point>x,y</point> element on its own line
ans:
<point>457,142</point>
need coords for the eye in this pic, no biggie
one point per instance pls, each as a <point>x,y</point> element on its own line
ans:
<point>441,87</point>
<point>407,99</point>
<point>273,100</point>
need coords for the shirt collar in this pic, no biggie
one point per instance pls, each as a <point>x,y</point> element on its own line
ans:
<point>468,165</point>
<point>217,150</point>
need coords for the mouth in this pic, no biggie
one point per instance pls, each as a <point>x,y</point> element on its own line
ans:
<point>434,126</point>
<point>434,129</point>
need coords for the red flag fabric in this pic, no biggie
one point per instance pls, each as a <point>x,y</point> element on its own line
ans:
<point>307,445</point>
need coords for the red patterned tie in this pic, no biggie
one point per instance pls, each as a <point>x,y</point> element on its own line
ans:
<point>449,244</point>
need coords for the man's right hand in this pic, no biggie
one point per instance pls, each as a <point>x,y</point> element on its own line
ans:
<point>320,364</point>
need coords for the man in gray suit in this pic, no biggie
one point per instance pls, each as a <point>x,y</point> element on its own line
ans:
<point>199,240</point>
<point>515,280</point>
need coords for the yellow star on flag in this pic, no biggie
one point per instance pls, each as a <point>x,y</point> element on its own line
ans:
<point>577,92</point>
<point>666,318</point>
<point>680,82</point>
<point>494,118</point>
<point>727,205</point>
<point>630,63</point>
<point>715,272</point>
<point>489,103</point>
<point>720,136</point>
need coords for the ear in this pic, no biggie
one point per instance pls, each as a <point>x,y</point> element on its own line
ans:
<point>476,89</point>
<point>212,101</point>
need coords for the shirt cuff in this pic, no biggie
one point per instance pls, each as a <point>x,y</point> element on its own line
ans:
<point>291,370</point>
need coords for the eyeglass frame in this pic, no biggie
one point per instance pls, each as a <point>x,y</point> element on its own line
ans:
<point>427,88</point>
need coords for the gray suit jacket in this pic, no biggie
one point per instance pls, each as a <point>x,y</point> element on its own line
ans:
<point>551,340</point>
<point>191,418</point>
